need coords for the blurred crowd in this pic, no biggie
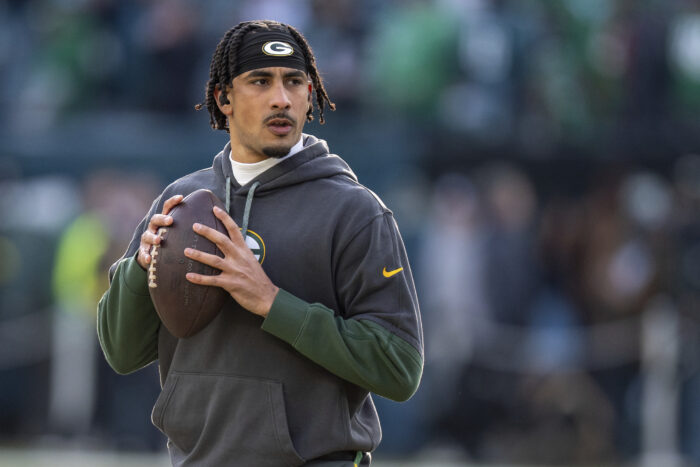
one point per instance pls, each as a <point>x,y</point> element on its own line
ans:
<point>545,316</point>
<point>527,71</point>
<point>541,159</point>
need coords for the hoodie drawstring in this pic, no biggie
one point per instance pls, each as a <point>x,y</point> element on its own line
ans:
<point>228,195</point>
<point>248,206</point>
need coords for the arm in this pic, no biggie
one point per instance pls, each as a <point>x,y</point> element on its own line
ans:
<point>377,341</point>
<point>358,350</point>
<point>127,322</point>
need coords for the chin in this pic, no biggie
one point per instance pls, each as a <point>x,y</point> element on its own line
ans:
<point>276,151</point>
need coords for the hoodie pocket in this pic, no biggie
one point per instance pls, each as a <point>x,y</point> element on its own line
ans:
<point>220,419</point>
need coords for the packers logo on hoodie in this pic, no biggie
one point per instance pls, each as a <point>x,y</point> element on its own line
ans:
<point>256,245</point>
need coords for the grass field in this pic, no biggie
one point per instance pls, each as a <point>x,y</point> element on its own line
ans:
<point>26,457</point>
<point>45,458</point>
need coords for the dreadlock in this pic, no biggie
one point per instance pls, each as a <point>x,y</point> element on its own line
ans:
<point>321,94</point>
<point>223,64</point>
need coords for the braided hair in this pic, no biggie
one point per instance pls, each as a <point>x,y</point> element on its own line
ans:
<point>223,64</point>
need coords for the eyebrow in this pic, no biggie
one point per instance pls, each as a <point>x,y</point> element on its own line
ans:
<point>267,74</point>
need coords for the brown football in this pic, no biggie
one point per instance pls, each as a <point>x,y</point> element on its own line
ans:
<point>183,307</point>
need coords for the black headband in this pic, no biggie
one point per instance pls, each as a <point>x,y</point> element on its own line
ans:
<point>263,48</point>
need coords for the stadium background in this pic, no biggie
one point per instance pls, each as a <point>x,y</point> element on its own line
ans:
<point>541,158</point>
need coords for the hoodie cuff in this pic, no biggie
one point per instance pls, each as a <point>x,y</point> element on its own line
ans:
<point>134,276</point>
<point>287,317</point>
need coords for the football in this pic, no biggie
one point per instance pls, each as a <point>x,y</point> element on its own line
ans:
<point>183,307</point>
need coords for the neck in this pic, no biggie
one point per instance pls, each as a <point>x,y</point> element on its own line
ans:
<point>240,153</point>
<point>245,155</point>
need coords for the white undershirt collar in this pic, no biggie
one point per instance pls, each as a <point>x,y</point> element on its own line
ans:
<point>245,172</point>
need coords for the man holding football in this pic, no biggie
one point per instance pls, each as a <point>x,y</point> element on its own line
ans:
<point>321,315</point>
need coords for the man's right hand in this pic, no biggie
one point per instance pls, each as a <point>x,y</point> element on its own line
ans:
<point>150,237</point>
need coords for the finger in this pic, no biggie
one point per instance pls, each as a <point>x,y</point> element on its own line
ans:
<point>234,232</point>
<point>145,255</point>
<point>150,238</point>
<point>222,241</point>
<point>160,220</point>
<point>205,258</point>
<point>171,203</point>
<point>200,279</point>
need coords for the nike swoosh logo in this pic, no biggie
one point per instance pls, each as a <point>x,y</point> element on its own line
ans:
<point>391,273</point>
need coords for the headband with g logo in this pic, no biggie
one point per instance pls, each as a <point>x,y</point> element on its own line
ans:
<point>264,48</point>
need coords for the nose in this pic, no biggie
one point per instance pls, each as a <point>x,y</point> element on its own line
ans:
<point>280,97</point>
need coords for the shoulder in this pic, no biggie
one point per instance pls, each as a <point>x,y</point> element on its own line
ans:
<point>345,204</point>
<point>211,178</point>
<point>356,207</point>
<point>356,197</point>
<point>204,178</point>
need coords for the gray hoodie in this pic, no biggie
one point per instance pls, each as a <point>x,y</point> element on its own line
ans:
<point>295,386</point>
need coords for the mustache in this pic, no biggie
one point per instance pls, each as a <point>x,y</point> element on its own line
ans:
<point>280,115</point>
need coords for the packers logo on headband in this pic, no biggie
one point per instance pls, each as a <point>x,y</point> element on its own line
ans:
<point>277,49</point>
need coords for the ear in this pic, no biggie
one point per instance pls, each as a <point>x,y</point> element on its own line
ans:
<point>223,102</point>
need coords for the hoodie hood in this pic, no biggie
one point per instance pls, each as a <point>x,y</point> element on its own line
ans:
<point>312,162</point>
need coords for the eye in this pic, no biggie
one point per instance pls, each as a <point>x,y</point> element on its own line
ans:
<point>259,82</point>
<point>296,81</point>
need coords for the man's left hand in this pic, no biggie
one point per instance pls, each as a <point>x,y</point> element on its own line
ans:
<point>241,274</point>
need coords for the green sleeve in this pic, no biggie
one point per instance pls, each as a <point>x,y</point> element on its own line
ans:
<point>357,350</point>
<point>127,322</point>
